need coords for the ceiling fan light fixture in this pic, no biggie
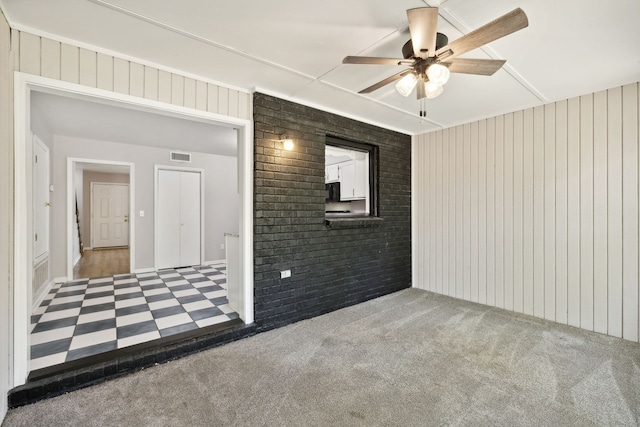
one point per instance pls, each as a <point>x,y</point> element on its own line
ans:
<point>432,90</point>
<point>438,74</point>
<point>406,84</point>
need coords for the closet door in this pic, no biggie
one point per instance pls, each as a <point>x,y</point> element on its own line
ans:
<point>178,219</point>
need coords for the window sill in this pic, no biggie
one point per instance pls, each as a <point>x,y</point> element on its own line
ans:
<point>352,222</point>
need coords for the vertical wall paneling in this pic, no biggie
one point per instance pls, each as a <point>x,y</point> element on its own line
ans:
<point>573,212</point>
<point>527,212</point>
<point>201,96</point>
<point>431,182</point>
<point>459,213</point>
<point>29,53</point>
<point>88,68</point>
<point>466,209</point>
<point>164,86</point>
<point>499,211</point>
<point>491,213</point>
<point>539,179</point>
<point>614,197</point>
<point>452,210</point>
<point>177,90</point>
<point>586,212</point>
<point>105,72</point>
<point>212,98</point>
<point>189,92</point>
<point>630,212</point>
<point>550,211</point>
<point>243,105</point>
<point>537,211</point>
<point>50,66</point>
<point>233,103</point>
<point>122,76</point>
<point>600,213</point>
<point>482,211</point>
<point>438,224</point>
<point>444,137</point>
<point>518,287</point>
<point>561,211</point>
<point>69,63</point>
<point>151,83</point>
<point>508,212</point>
<point>223,100</point>
<point>137,82</point>
<point>474,211</point>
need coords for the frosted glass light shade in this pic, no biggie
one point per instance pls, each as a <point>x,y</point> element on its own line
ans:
<point>432,90</point>
<point>406,84</point>
<point>438,74</point>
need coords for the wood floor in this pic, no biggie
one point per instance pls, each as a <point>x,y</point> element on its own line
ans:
<point>102,262</point>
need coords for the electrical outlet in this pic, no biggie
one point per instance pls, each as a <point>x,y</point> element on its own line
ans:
<point>285,273</point>
<point>221,245</point>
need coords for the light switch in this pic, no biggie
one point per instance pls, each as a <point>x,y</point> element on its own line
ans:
<point>141,214</point>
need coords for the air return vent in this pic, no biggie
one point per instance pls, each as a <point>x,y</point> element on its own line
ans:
<point>180,157</point>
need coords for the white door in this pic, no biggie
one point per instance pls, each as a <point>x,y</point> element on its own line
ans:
<point>109,215</point>
<point>41,203</point>
<point>178,216</point>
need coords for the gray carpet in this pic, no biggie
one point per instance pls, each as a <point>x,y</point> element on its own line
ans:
<point>411,358</point>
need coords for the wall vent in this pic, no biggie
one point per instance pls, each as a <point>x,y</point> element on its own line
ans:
<point>40,275</point>
<point>180,157</point>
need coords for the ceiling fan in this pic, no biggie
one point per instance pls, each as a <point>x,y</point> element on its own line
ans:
<point>431,58</point>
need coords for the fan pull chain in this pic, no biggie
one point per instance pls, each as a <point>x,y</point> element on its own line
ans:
<point>423,107</point>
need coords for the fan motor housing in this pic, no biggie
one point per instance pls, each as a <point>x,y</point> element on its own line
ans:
<point>407,49</point>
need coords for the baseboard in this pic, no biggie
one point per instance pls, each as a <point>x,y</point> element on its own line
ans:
<point>42,292</point>
<point>76,259</point>
<point>216,261</point>
<point>60,279</point>
<point>87,248</point>
<point>144,270</point>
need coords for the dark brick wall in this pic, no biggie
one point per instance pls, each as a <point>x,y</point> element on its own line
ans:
<point>332,266</point>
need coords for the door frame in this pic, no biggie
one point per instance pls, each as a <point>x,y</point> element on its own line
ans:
<point>71,190</point>
<point>156,169</point>
<point>24,83</point>
<point>130,218</point>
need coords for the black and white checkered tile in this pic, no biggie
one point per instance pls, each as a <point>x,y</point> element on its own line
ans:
<point>90,316</point>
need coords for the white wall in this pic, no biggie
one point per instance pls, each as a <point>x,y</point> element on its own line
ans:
<point>535,211</point>
<point>6,209</point>
<point>221,194</point>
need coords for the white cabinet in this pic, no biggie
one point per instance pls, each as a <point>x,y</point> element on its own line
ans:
<point>353,180</point>
<point>332,173</point>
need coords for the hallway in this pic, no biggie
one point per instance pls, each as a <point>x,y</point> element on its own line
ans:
<point>102,262</point>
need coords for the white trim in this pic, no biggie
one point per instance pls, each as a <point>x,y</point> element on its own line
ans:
<point>60,279</point>
<point>23,85</point>
<point>145,270</point>
<point>156,169</point>
<point>215,261</point>
<point>71,167</point>
<point>42,292</point>
<point>77,259</point>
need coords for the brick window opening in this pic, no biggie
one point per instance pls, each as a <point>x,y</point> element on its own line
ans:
<point>350,178</point>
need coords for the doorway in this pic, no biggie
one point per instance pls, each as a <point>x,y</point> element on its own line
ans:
<point>109,215</point>
<point>24,85</point>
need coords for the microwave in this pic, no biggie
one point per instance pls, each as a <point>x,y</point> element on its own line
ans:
<point>332,191</point>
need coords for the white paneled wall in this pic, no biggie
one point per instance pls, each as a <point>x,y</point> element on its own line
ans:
<point>61,61</point>
<point>536,211</point>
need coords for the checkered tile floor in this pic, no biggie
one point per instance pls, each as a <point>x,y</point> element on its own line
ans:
<point>90,316</point>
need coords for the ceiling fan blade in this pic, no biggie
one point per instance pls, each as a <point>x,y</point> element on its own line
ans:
<point>371,60</point>
<point>385,81</point>
<point>506,24</point>
<point>484,67</point>
<point>423,26</point>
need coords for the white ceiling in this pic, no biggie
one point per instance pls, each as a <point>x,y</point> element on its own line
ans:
<point>294,48</point>
<point>60,115</point>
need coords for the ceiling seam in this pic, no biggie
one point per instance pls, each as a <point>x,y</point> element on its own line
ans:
<point>457,23</point>
<point>255,58</point>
